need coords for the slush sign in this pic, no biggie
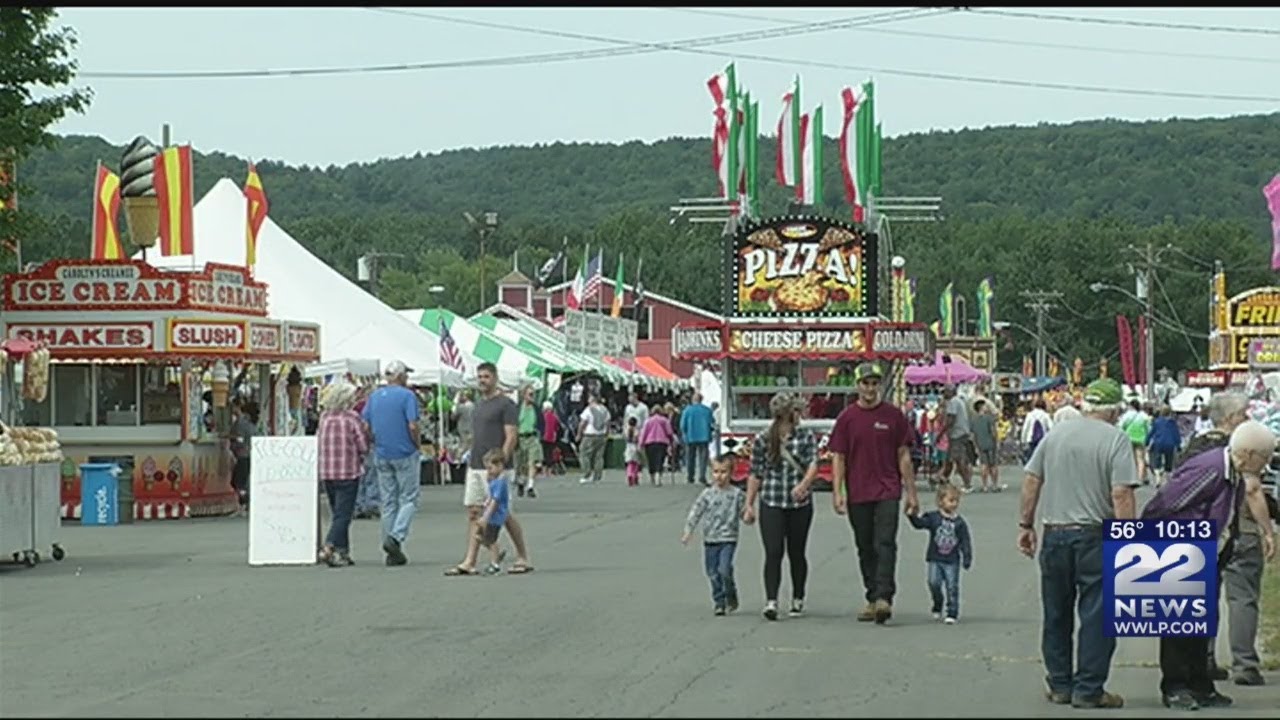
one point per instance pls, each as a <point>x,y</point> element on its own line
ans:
<point>1160,578</point>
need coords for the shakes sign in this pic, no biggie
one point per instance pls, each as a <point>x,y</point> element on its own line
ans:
<point>802,267</point>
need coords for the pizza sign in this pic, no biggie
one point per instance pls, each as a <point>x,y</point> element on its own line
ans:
<point>802,267</point>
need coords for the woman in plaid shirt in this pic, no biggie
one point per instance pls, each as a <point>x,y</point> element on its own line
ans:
<point>342,444</point>
<point>783,468</point>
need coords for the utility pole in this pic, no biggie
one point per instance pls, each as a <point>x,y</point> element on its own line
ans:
<point>1144,272</point>
<point>1039,303</point>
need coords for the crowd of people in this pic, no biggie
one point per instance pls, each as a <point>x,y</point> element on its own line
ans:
<point>1081,470</point>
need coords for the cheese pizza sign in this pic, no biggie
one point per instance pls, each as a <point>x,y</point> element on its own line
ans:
<point>802,267</point>
<point>809,342</point>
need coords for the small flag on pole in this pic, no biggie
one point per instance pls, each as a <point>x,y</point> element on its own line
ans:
<point>450,357</point>
<point>618,292</point>
<point>106,213</point>
<point>175,193</point>
<point>256,214</point>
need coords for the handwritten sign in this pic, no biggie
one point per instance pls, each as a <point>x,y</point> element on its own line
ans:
<point>284,492</point>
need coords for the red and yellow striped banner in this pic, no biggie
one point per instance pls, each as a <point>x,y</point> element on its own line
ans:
<point>106,212</point>
<point>257,214</point>
<point>174,192</point>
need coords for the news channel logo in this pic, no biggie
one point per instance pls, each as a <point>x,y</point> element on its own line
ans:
<point>1160,578</point>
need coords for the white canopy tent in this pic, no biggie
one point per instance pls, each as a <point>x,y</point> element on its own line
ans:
<point>358,332</point>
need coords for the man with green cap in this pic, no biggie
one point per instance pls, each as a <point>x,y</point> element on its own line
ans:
<point>1080,475</point>
<point>871,469</point>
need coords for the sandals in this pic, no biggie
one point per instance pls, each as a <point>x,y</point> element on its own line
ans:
<point>519,569</point>
<point>457,570</point>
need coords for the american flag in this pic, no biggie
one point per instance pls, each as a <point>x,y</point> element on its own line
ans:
<point>449,355</point>
<point>594,277</point>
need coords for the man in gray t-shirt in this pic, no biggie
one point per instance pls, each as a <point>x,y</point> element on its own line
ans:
<point>959,432</point>
<point>1085,473</point>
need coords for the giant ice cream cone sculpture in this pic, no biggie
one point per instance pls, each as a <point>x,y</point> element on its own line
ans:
<point>138,192</point>
<point>221,384</point>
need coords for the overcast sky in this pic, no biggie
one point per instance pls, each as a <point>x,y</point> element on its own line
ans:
<point>361,117</point>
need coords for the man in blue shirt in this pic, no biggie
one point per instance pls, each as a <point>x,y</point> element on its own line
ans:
<point>392,415</point>
<point>696,423</point>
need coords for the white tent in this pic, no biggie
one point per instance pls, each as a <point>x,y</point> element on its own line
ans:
<point>358,332</point>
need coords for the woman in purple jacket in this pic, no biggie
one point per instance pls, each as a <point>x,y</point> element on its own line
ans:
<point>655,438</point>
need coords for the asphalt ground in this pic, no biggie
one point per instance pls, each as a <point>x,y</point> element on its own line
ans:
<point>167,619</point>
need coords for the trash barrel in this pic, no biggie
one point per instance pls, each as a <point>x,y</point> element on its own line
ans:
<point>99,494</point>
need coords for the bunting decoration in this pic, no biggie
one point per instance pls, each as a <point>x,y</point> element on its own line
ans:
<point>787,167</point>
<point>175,193</point>
<point>1272,193</point>
<point>909,300</point>
<point>718,86</point>
<point>854,193</point>
<point>936,327</point>
<point>573,299</point>
<point>106,215</point>
<point>257,214</point>
<point>639,288</point>
<point>811,154</point>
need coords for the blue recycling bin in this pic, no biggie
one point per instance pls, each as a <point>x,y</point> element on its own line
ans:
<point>99,494</point>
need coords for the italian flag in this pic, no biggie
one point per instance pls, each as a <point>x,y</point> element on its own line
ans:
<point>618,291</point>
<point>787,167</point>
<point>809,191</point>
<point>573,298</point>
<point>855,192</point>
<point>725,138</point>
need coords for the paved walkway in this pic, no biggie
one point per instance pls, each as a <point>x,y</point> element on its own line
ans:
<point>167,619</point>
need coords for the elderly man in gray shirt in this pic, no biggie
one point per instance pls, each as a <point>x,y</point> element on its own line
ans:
<point>1085,474</point>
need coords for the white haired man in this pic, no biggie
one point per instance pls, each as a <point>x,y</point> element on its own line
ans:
<point>392,416</point>
<point>1208,486</point>
<point>1084,473</point>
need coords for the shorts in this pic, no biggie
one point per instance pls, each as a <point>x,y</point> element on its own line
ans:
<point>476,489</point>
<point>528,453</point>
<point>958,451</point>
<point>987,457</point>
<point>489,535</point>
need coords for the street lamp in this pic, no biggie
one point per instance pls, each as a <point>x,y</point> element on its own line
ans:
<point>483,227</point>
<point>435,291</point>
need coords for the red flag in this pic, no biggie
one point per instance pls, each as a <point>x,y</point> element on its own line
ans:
<point>106,212</point>
<point>257,214</point>
<point>174,193</point>
<point>1125,335</point>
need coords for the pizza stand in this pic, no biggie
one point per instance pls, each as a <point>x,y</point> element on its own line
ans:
<point>800,309</point>
<point>132,349</point>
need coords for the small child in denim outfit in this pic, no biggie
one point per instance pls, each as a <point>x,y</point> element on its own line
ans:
<point>950,547</point>
<point>718,510</point>
<point>496,509</point>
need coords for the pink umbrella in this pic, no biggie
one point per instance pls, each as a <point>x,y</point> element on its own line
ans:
<point>955,372</point>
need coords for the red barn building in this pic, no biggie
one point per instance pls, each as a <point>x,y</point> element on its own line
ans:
<point>657,317</point>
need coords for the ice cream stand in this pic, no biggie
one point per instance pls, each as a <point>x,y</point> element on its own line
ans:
<point>800,311</point>
<point>132,350</point>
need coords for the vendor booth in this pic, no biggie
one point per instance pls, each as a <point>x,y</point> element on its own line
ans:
<point>133,349</point>
<point>801,311</point>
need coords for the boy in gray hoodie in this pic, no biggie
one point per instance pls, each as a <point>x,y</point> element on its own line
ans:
<point>718,513</point>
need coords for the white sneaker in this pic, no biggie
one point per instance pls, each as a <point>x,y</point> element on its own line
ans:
<point>585,481</point>
<point>797,607</point>
<point>771,610</point>
<point>937,616</point>
<point>950,621</point>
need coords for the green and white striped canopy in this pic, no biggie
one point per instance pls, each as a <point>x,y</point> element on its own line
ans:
<point>513,363</point>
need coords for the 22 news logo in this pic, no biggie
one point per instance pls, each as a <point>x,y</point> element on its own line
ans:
<point>1154,588</point>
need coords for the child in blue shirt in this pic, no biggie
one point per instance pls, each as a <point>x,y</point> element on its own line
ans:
<point>950,547</point>
<point>496,509</point>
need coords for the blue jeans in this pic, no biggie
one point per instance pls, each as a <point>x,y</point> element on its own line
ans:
<point>945,576</point>
<point>367,497</point>
<point>697,461</point>
<point>342,503</point>
<point>719,562</point>
<point>398,485</point>
<point>1071,581</point>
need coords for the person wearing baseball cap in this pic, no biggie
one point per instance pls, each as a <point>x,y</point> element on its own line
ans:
<point>392,415</point>
<point>1080,475</point>
<point>870,472</point>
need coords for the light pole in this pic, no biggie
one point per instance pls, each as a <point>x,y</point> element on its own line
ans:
<point>483,227</point>
<point>369,266</point>
<point>435,291</point>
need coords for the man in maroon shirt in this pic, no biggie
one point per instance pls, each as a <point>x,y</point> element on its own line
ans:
<point>871,453</point>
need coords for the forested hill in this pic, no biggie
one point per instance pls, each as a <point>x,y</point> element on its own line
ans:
<point>1014,198</point>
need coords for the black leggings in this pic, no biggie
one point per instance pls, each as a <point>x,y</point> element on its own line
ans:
<point>656,455</point>
<point>785,530</point>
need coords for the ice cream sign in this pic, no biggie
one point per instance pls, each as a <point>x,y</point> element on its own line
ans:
<point>802,267</point>
<point>92,286</point>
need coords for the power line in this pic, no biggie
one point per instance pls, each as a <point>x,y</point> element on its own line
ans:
<point>637,48</point>
<point>1237,29</point>
<point>996,41</point>
<point>628,48</point>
